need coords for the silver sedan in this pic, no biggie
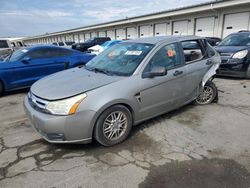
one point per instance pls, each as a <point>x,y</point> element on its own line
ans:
<point>125,85</point>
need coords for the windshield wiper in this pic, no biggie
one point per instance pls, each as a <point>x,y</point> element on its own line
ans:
<point>100,70</point>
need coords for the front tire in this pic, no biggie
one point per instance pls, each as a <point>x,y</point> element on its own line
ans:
<point>208,94</point>
<point>248,72</point>
<point>113,126</point>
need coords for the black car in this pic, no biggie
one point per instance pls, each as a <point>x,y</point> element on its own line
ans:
<point>83,46</point>
<point>235,55</point>
<point>213,41</point>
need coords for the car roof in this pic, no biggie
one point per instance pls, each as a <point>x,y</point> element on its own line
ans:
<point>240,32</point>
<point>44,46</point>
<point>160,39</point>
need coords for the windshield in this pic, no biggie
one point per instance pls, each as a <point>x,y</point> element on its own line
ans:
<point>17,55</point>
<point>105,44</point>
<point>121,59</point>
<point>242,39</point>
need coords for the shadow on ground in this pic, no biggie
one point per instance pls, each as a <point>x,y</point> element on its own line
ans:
<point>214,173</point>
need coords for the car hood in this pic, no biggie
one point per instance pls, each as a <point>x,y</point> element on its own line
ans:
<point>70,83</point>
<point>229,49</point>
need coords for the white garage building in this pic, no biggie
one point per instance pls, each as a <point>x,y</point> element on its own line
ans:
<point>213,19</point>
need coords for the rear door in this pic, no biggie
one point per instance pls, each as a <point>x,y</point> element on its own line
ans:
<point>42,62</point>
<point>164,93</point>
<point>197,64</point>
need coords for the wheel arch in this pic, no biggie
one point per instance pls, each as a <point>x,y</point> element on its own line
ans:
<point>98,114</point>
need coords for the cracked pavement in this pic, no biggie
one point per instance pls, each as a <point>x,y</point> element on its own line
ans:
<point>194,144</point>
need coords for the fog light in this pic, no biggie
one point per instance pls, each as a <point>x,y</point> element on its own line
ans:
<point>55,137</point>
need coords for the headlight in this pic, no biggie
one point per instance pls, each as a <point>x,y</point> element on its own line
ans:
<point>240,54</point>
<point>65,106</point>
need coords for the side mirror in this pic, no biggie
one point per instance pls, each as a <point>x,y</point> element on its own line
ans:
<point>216,44</point>
<point>155,72</point>
<point>26,60</point>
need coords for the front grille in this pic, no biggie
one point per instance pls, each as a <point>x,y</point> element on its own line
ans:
<point>37,103</point>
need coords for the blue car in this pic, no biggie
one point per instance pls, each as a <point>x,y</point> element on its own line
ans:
<point>25,66</point>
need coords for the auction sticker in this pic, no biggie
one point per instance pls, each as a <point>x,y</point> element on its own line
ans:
<point>133,53</point>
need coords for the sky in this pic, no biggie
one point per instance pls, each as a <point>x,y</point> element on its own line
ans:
<point>36,17</point>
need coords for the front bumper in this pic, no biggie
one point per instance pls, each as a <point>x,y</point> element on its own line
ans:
<point>233,70</point>
<point>75,128</point>
<point>230,73</point>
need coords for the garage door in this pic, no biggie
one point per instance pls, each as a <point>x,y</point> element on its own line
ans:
<point>102,34</point>
<point>161,29</point>
<point>180,28</point>
<point>145,31</point>
<point>235,22</point>
<point>120,34</point>
<point>69,38</point>
<point>111,34</point>
<point>131,33</point>
<point>81,37</point>
<point>93,34</point>
<point>87,36</point>
<point>205,27</point>
<point>76,38</point>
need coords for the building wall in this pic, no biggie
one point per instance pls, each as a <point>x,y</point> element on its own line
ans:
<point>185,23</point>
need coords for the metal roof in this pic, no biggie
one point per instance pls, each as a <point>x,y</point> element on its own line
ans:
<point>210,5</point>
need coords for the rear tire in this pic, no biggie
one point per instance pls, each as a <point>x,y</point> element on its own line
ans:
<point>1,88</point>
<point>208,94</point>
<point>113,126</point>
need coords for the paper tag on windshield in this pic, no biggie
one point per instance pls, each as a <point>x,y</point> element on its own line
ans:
<point>133,53</point>
<point>24,50</point>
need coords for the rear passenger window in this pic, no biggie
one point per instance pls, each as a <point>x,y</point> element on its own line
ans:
<point>193,50</point>
<point>168,57</point>
<point>48,53</point>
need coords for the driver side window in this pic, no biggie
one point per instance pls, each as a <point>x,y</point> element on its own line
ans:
<point>168,57</point>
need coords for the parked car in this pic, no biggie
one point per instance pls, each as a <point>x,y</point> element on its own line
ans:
<point>25,66</point>
<point>97,49</point>
<point>213,41</point>
<point>83,46</point>
<point>235,54</point>
<point>67,44</point>
<point>126,84</point>
<point>5,48</point>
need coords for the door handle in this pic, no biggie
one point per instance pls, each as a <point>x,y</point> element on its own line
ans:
<point>177,73</point>
<point>209,62</point>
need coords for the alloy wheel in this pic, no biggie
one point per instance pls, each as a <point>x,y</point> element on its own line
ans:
<point>115,125</point>
<point>206,96</point>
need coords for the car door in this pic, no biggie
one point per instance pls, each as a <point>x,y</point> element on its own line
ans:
<point>36,64</point>
<point>164,93</point>
<point>197,64</point>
